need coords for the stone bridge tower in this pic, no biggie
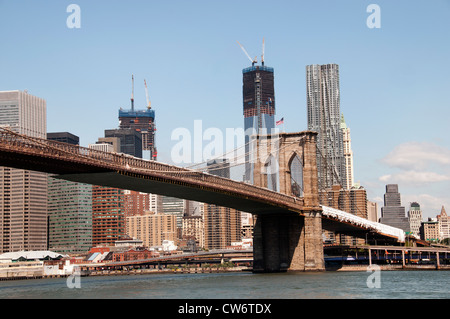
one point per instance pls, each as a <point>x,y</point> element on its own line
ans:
<point>286,163</point>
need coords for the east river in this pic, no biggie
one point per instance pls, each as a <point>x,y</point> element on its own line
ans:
<point>402,284</point>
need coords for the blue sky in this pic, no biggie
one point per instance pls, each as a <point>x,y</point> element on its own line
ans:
<point>393,80</point>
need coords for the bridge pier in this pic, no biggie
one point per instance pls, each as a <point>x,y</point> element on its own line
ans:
<point>288,243</point>
<point>291,241</point>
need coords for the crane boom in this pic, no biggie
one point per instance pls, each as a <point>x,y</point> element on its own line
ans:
<point>146,94</point>
<point>248,56</point>
<point>262,56</point>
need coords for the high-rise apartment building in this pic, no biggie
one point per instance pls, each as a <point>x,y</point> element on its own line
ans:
<point>392,213</point>
<point>415,218</point>
<point>222,224</point>
<point>372,211</point>
<point>69,209</point>
<point>348,154</point>
<point>108,212</point>
<point>152,228</point>
<point>23,193</point>
<point>353,201</point>
<point>430,230</point>
<point>259,108</point>
<point>108,224</point>
<point>193,229</point>
<point>175,207</point>
<point>137,203</point>
<point>324,117</point>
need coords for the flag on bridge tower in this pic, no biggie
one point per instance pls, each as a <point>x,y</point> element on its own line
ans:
<point>280,122</point>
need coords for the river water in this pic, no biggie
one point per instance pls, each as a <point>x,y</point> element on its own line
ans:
<point>400,284</point>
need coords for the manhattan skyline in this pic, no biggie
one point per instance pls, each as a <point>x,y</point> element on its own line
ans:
<point>393,79</point>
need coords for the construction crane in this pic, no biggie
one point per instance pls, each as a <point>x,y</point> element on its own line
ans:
<point>262,55</point>
<point>149,105</point>
<point>132,92</point>
<point>248,56</point>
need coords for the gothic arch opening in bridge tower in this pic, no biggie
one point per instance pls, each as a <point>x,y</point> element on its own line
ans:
<point>296,174</point>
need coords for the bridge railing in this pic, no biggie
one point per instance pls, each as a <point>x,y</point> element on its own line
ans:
<point>124,162</point>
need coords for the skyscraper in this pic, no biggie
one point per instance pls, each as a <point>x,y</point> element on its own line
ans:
<point>64,137</point>
<point>415,218</point>
<point>353,201</point>
<point>137,134</point>
<point>108,212</point>
<point>152,228</point>
<point>222,224</point>
<point>259,107</point>
<point>23,193</point>
<point>348,154</point>
<point>324,117</point>
<point>174,206</point>
<point>69,209</point>
<point>392,213</point>
<point>141,121</point>
<point>444,224</point>
<point>130,140</point>
<point>108,220</point>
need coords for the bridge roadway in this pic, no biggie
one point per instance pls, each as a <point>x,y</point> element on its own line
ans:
<point>85,165</point>
<point>220,253</point>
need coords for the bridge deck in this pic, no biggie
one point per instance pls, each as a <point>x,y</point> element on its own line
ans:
<point>75,163</point>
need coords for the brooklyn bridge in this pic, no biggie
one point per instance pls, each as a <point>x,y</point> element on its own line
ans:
<point>289,224</point>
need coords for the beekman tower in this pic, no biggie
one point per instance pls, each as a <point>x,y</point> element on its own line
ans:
<point>259,105</point>
<point>324,117</point>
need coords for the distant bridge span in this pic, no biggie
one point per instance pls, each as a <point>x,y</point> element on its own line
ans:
<point>277,212</point>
